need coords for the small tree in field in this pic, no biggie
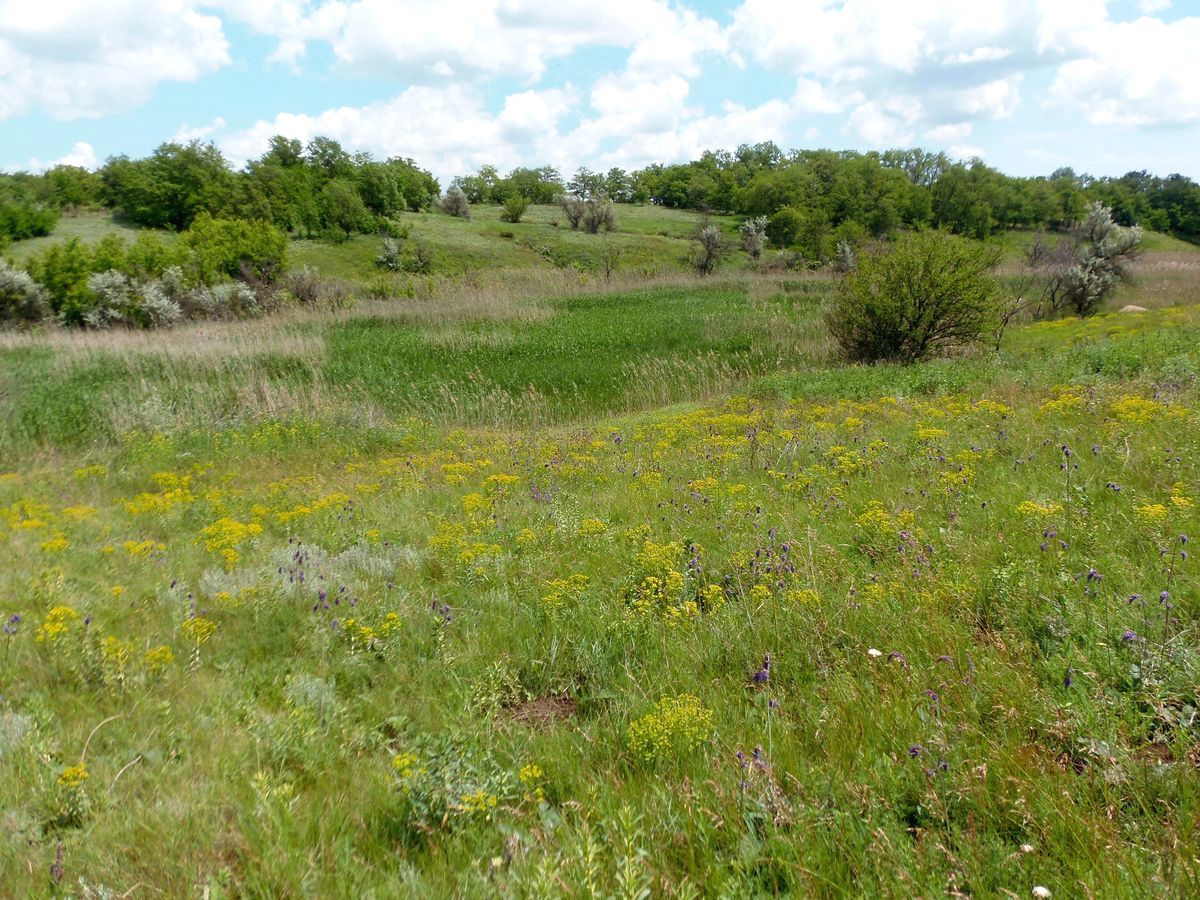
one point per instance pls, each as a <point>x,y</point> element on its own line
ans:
<point>1084,269</point>
<point>710,249</point>
<point>754,233</point>
<point>925,295</point>
<point>514,207</point>
<point>455,203</point>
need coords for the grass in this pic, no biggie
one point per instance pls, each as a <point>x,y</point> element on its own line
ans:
<point>527,654</point>
<point>543,586</point>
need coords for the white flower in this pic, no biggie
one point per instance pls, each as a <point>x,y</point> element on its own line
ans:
<point>873,653</point>
<point>1041,891</point>
<point>1027,848</point>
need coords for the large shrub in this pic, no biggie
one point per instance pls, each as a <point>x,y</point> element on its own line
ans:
<point>514,207</point>
<point>926,294</point>
<point>1080,271</point>
<point>235,248</point>
<point>455,203</point>
<point>21,298</point>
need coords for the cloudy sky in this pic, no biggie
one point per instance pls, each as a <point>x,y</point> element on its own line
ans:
<point>1029,85</point>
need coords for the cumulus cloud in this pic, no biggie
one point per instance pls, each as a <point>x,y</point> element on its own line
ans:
<point>82,155</point>
<point>1137,73</point>
<point>431,40</point>
<point>74,59</point>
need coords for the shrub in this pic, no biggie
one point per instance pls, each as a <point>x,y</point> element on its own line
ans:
<point>113,300</point>
<point>229,300</point>
<point>572,208</point>
<point>455,203</point>
<point>919,298</point>
<point>63,273</point>
<point>22,299</point>
<point>391,256</point>
<point>598,213</point>
<point>19,221</point>
<point>309,288</point>
<point>753,232</point>
<point>514,207</point>
<point>784,227</point>
<point>709,250</point>
<point>235,248</point>
<point>1081,271</point>
<point>844,258</point>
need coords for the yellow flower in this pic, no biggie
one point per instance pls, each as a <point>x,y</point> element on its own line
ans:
<point>73,776</point>
<point>199,629</point>
<point>589,527</point>
<point>1152,513</point>
<point>57,623</point>
<point>675,726</point>
<point>158,658</point>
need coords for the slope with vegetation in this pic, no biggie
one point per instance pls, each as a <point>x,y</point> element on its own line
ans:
<point>508,559</point>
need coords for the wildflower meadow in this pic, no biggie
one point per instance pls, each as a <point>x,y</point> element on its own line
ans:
<point>890,630</point>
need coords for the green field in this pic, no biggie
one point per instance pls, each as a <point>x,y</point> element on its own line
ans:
<point>531,585</point>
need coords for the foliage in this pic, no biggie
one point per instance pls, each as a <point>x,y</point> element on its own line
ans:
<point>21,220</point>
<point>455,203</point>
<point>221,248</point>
<point>1081,270</point>
<point>710,248</point>
<point>754,231</point>
<point>922,297</point>
<point>21,298</point>
<point>514,207</point>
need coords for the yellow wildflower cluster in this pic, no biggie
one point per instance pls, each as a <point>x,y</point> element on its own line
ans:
<point>1032,509</point>
<point>676,725</point>
<point>477,803</point>
<point>57,623</point>
<point>73,777</point>
<point>531,777</point>
<point>199,629</point>
<point>565,590</point>
<point>591,527</point>
<point>227,533</point>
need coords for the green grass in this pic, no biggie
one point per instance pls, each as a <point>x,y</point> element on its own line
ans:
<point>648,240</point>
<point>385,602</point>
<point>956,700</point>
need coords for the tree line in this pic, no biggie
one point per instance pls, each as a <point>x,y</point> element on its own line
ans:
<point>812,200</point>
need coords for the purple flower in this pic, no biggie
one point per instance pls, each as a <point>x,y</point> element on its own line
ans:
<point>1067,679</point>
<point>1164,597</point>
<point>1129,636</point>
<point>773,704</point>
<point>914,751</point>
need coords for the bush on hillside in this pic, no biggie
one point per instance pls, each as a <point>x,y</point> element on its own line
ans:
<point>22,300</point>
<point>515,206</point>
<point>921,297</point>
<point>235,248</point>
<point>455,203</point>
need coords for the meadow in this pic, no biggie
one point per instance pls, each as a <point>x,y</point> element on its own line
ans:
<point>546,585</point>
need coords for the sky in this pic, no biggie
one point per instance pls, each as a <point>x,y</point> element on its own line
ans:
<point>1103,86</point>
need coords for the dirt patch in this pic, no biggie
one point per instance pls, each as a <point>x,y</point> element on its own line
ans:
<point>543,712</point>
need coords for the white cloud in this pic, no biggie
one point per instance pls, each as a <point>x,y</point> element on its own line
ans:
<point>82,155</point>
<point>1138,73</point>
<point>949,134</point>
<point>997,99</point>
<point>888,124</point>
<point>74,59</point>
<point>965,151</point>
<point>188,133</point>
<point>428,40</point>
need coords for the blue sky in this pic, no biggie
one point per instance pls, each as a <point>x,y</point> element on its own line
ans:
<point>1029,85</point>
